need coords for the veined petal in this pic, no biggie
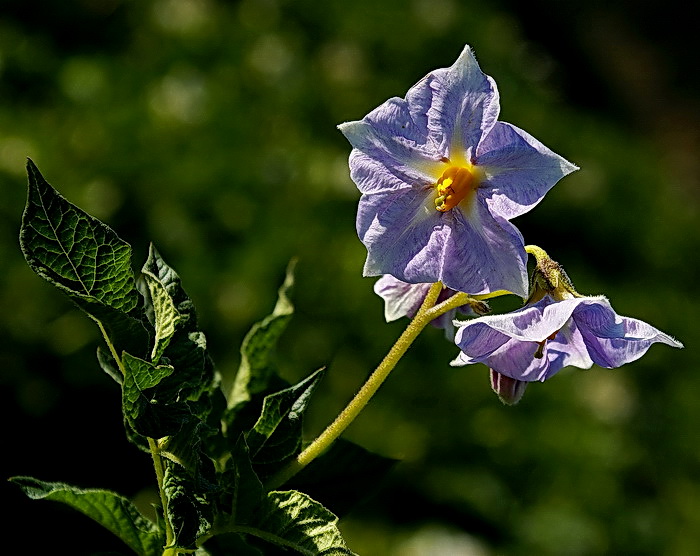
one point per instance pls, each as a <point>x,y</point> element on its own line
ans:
<point>519,170</point>
<point>376,176</point>
<point>401,299</point>
<point>535,342</point>
<point>482,254</point>
<point>389,143</point>
<point>513,358</point>
<point>569,348</point>
<point>464,106</point>
<point>613,340</point>
<point>403,236</point>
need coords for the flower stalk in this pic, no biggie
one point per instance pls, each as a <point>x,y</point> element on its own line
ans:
<point>427,312</point>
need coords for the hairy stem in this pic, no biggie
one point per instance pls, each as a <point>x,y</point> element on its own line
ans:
<point>425,314</point>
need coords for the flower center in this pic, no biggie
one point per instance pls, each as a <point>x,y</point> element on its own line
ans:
<point>453,187</point>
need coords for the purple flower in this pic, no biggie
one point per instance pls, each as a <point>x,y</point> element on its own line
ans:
<point>534,342</point>
<point>440,179</point>
<point>403,300</point>
<point>509,390</point>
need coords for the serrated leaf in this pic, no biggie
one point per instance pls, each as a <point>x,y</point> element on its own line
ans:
<point>112,511</point>
<point>294,520</point>
<point>257,369</point>
<point>277,435</point>
<point>339,478</point>
<point>85,259</point>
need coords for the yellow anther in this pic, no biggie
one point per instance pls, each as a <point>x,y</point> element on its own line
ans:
<point>453,187</point>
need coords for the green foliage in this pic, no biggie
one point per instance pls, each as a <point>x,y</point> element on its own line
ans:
<point>110,510</point>
<point>294,520</point>
<point>84,258</point>
<point>211,454</point>
<point>257,369</point>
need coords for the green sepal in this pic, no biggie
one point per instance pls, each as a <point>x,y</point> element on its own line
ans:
<point>276,437</point>
<point>84,258</point>
<point>112,511</point>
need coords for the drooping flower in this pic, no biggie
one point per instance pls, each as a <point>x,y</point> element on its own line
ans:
<point>402,299</point>
<point>535,342</point>
<point>441,178</point>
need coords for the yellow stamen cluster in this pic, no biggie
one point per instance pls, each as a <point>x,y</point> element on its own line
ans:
<point>453,187</point>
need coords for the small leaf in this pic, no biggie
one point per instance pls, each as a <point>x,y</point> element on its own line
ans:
<point>166,316</point>
<point>85,259</point>
<point>165,291</point>
<point>178,338</point>
<point>256,369</point>
<point>156,267</point>
<point>247,490</point>
<point>294,520</point>
<point>149,413</point>
<point>277,436</point>
<point>110,510</point>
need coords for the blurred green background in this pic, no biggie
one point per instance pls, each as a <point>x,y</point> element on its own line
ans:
<point>208,127</point>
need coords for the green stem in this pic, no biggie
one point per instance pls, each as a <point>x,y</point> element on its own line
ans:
<point>160,475</point>
<point>425,314</point>
<point>537,252</point>
<point>155,454</point>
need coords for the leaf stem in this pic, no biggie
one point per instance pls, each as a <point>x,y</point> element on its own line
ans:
<point>427,312</point>
<point>160,475</point>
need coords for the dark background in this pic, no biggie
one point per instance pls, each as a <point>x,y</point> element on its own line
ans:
<point>208,127</point>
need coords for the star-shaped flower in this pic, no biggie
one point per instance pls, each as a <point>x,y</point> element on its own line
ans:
<point>535,342</point>
<point>440,179</point>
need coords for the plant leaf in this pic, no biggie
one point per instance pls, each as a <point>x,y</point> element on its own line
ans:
<point>166,316</point>
<point>189,510</point>
<point>257,369</point>
<point>277,435</point>
<point>178,337</point>
<point>294,520</point>
<point>146,408</point>
<point>107,508</point>
<point>85,259</point>
<point>247,490</point>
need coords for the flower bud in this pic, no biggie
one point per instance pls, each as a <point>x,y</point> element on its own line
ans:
<point>508,390</point>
